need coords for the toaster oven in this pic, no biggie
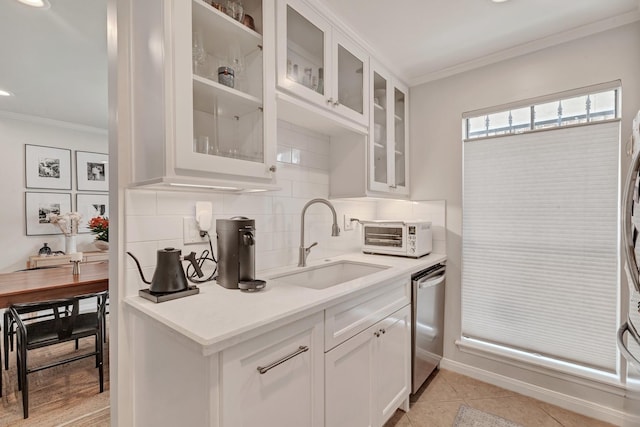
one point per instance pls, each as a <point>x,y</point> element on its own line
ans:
<point>403,238</point>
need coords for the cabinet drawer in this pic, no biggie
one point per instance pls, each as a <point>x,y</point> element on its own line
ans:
<point>345,320</point>
<point>275,379</point>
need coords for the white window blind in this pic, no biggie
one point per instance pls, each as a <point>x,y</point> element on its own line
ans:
<point>540,251</point>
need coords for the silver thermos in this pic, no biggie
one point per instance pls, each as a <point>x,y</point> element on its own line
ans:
<point>236,254</point>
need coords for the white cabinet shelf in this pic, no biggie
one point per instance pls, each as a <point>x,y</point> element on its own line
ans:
<point>221,30</point>
<point>208,93</point>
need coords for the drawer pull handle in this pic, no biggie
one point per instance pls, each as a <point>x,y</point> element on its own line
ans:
<point>265,369</point>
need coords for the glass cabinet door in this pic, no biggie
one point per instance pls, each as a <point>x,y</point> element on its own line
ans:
<point>305,53</point>
<point>228,124</point>
<point>380,172</point>
<point>351,81</point>
<point>399,138</point>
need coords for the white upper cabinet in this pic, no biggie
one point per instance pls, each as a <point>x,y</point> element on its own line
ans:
<point>319,64</point>
<point>388,147</point>
<point>377,165</point>
<point>214,89</point>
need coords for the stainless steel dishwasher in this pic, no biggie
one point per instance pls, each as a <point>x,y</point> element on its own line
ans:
<point>427,323</point>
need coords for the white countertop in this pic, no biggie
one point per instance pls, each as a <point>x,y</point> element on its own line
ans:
<point>217,317</point>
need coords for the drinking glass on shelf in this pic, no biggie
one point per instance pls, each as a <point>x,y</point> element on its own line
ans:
<point>201,144</point>
<point>238,63</point>
<point>198,53</point>
<point>235,10</point>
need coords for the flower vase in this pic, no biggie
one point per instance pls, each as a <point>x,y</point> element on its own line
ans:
<point>70,244</point>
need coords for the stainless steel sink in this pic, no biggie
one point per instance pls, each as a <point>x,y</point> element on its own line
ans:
<point>327,275</point>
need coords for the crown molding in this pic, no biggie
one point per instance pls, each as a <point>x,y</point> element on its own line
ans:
<point>52,122</point>
<point>530,47</point>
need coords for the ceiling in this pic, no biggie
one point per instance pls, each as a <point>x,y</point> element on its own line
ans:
<point>428,39</point>
<point>55,60</point>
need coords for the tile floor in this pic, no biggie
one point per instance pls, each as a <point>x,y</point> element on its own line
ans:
<point>437,403</point>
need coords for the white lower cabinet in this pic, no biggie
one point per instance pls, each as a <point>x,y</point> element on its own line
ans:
<point>368,376</point>
<point>276,379</point>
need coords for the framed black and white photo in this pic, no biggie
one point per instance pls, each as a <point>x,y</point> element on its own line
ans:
<point>92,171</point>
<point>90,206</point>
<point>39,207</point>
<point>47,167</point>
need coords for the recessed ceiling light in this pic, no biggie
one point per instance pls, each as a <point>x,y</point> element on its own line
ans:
<point>5,93</point>
<point>495,1</point>
<point>42,4</point>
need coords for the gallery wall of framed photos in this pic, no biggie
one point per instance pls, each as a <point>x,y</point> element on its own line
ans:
<point>17,132</point>
<point>48,170</point>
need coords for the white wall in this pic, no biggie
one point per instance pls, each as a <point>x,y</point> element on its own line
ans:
<point>436,134</point>
<point>15,132</point>
<point>154,219</point>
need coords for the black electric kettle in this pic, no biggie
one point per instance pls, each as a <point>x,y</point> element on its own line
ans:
<point>169,275</point>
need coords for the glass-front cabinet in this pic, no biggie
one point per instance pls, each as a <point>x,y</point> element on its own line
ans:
<point>203,94</point>
<point>320,64</point>
<point>227,86</point>
<point>388,148</point>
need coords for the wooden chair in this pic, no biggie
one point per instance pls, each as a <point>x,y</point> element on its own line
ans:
<point>9,324</point>
<point>63,322</point>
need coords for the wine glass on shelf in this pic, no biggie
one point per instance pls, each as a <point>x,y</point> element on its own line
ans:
<point>198,53</point>
<point>238,63</point>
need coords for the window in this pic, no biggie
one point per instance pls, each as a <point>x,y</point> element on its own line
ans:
<point>540,235</point>
<point>562,111</point>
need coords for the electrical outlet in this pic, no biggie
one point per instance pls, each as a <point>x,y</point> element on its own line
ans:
<point>348,225</point>
<point>191,231</point>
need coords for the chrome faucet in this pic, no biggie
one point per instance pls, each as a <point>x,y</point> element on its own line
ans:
<point>335,230</point>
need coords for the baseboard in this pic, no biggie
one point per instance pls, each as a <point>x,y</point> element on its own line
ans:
<point>580,406</point>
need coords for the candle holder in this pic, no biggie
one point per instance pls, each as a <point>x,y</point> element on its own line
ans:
<point>76,268</point>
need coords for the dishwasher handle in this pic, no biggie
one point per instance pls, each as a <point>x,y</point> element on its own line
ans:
<point>431,279</point>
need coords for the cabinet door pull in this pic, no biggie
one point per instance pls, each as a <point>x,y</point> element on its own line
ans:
<point>273,168</point>
<point>265,369</point>
<point>377,334</point>
<point>335,104</point>
<point>330,101</point>
<point>383,331</point>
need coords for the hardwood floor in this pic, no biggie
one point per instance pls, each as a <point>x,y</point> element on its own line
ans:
<point>67,395</point>
<point>436,404</point>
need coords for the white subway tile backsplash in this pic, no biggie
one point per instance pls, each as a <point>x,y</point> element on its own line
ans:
<point>315,161</point>
<point>296,156</point>
<point>184,204</point>
<point>237,204</point>
<point>154,219</point>
<point>284,154</point>
<point>439,246</point>
<point>309,190</point>
<point>317,176</point>
<point>152,228</point>
<point>145,252</point>
<point>140,202</point>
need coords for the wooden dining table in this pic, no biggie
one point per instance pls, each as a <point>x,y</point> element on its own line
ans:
<point>52,283</point>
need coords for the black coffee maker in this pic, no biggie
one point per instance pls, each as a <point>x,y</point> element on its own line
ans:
<point>236,254</point>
